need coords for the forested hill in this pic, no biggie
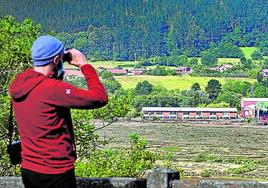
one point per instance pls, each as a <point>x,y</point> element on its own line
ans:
<point>129,29</point>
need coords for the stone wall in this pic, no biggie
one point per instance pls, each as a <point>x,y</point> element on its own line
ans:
<point>158,178</point>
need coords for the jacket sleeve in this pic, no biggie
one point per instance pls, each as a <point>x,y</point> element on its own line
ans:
<point>67,95</point>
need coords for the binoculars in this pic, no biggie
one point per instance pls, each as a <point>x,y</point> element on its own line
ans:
<point>67,57</point>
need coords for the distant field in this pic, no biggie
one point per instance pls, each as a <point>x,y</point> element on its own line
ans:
<point>233,61</point>
<point>221,61</point>
<point>248,51</point>
<point>128,64</point>
<point>172,82</point>
<point>112,64</point>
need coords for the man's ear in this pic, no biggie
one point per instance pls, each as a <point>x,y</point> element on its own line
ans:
<point>56,59</point>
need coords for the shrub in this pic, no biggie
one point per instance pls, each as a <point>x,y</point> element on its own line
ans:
<point>130,162</point>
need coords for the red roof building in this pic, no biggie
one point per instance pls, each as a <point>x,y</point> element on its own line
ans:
<point>73,72</point>
<point>118,71</point>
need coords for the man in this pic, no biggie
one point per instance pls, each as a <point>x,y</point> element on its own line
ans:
<point>42,105</point>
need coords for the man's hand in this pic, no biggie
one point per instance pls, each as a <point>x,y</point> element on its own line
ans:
<point>78,59</point>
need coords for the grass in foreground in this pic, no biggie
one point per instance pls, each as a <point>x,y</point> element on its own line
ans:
<point>209,151</point>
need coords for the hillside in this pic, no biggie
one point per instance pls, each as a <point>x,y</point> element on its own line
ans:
<point>128,30</point>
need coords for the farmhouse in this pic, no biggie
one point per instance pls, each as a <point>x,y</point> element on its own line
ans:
<point>117,71</point>
<point>265,73</point>
<point>222,68</point>
<point>256,108</point>
<point>137,71</point>
<point>189,113</point>
<point>184,70</point>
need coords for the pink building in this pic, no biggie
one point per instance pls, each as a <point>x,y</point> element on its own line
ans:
<point>118,71</point>
<point>256,108</point>
<point>73,72</point>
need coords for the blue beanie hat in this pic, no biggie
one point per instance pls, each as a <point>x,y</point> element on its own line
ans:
<point>44,49</point>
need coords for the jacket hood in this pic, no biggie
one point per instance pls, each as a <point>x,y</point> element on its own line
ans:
<point>23,84</point>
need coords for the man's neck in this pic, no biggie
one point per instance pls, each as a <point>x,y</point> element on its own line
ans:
<point>45,70</point>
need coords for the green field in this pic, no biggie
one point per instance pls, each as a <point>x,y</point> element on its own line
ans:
<point>113,64</point>
<point>248,51</point>
<point>109,64</point>
<point>172,82</point>
<point>130,64</point>
<point>233,61</point>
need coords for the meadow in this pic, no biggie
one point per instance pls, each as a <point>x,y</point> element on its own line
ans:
<point>173,82</point>
<point>248,51</point>
<point>217,149</point>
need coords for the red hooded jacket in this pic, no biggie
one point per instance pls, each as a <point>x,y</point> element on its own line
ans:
<point>42,110</point>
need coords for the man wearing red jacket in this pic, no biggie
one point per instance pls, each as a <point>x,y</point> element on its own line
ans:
<point>42,104</point>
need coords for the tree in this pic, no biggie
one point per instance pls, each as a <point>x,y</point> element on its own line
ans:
<point>195,86</point>
<point>246,63</point>
<point>15,44</point>
<point>232,91</point>
<point>165,27</point>
<point>16,41</point>
<point>111,85</point>
<point>264,47</point>
<point>192,98</point>
<point>260,91</point>
<point>106,75</point>
<point>256,55</point>
<point>209,59</point>
<point>228,50</point>
<point>265,63</point>
<point>193,61</point>
<point>213,88</point>
<point>143,88</point>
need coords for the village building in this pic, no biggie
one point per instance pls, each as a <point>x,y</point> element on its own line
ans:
<point>189,113</point>
<point>117,71</point>
<point>137,71</point>
<point>265,73</point>
<point>184,70</point>
<point>222,68</point>
<point>255,108</point>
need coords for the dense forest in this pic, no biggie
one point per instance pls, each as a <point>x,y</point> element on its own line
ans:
<point>129,30</point>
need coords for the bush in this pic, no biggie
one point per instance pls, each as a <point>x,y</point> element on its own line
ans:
<point>130,162</point>
<point>16,40</point>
